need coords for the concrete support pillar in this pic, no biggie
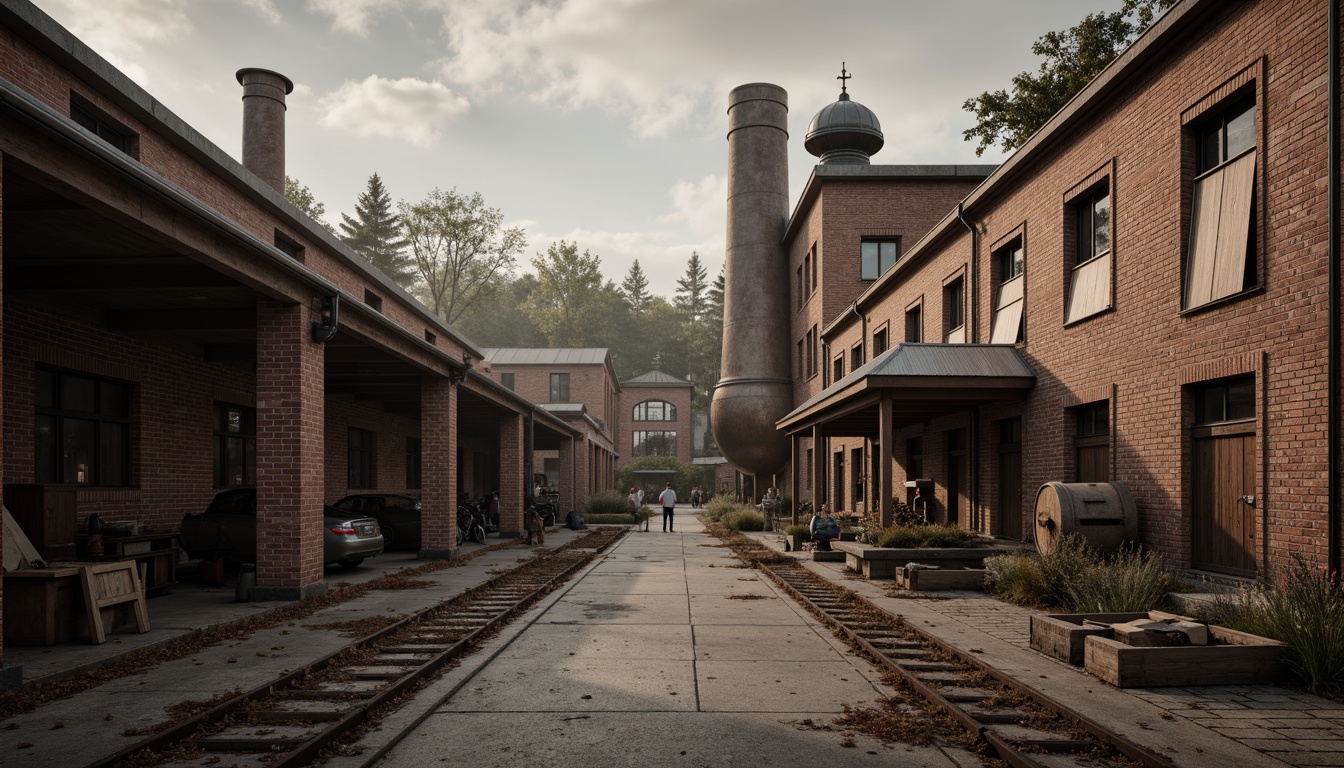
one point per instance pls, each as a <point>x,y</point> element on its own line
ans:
<point>512,487</point>
<point>884,438</point>
<point>567,495</point>
<point>291,453</point>
<point>264,94</point>
<point>438,461</point>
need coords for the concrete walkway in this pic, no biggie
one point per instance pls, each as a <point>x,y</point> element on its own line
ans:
<point>665,652</point>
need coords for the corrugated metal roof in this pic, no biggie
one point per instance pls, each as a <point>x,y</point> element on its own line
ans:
<point>995,361</point>
<point>547,356</point>
<point>656,379</point>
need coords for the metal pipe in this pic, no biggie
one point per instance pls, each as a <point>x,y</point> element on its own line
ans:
<point>1333,375</point>
<point>863,330</point>
<point>756,386</point>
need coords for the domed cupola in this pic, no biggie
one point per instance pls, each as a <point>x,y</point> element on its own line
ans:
<point>845,132</point>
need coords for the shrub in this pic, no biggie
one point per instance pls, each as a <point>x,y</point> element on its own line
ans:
<point>744,520</point>
<point>608,503</point>
<point>798,530</point>
<point>1133,579</point>
<point>1015,577</point>
<point>683,476</point>
<point>625,518</point>
<point>1304,611</point>
<point>1076,578</point>
<point>903,536</point>
<point>720,506</point>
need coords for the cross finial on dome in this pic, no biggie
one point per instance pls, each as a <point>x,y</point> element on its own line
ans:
<point>843,76</point>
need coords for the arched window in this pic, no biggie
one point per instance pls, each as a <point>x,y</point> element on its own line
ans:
<point>655,410</point>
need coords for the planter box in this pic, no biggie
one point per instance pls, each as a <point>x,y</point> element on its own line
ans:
<point>882,563</point>
<point>1062,635</point>
<point>794,542</point>
<point>1238,659</point>
<point>927,579</point>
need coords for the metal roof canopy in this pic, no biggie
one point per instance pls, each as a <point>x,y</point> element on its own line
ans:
<point>924,381</point>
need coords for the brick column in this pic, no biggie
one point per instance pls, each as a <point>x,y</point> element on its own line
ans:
<point>438,457</point>
<point>582,451</point>
<point>512,484</point>
<point>566,500</point>
<point>291,460</point>
<point>885,437</point>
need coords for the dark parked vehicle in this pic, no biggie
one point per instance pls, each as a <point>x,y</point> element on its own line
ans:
<point>398,516</point>
<point>228,529</point>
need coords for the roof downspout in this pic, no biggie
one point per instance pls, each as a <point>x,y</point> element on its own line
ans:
<point>1333,376</point>
<point>973,295</point>
<point>863,336</point>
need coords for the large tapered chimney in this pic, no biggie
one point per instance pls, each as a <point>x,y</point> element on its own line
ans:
<point>264,94</point>
<point>756,385</point>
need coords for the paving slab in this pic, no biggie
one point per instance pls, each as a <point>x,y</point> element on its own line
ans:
<point>622,609</point>
<point>750,643</point>
<point>579,685</point>
<point>605,641</point>
<point>783,686</point>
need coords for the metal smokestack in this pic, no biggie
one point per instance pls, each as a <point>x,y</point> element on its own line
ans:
<point>264,94</point>
<point>756,387</point>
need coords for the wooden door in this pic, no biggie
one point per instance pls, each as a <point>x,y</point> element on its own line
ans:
<point>1222,519</point>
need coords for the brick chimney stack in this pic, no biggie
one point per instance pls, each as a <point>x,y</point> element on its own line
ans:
<point>264,94</point>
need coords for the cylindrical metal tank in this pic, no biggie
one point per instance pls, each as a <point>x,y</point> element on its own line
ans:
<point>755,388</point>
<point>264,94</point>
<point>1104,514</point>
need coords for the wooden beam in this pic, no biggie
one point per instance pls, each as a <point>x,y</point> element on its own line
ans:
<point>224,353</point>
<point>112,277</point>
<point>169,320</point>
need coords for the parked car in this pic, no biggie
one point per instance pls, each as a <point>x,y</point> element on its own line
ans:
<point>398,516</point>
<point>228,528</point>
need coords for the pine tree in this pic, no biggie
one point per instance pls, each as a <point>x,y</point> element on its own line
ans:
<point>690,296</point>
<point>635,287</point>
<point>375,233</point>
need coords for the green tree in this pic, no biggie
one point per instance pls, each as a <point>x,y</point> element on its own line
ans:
<point>635,286</point>
<point>302,198</point>
<point>502,320</point>
<point>374,232</point>
<point>460,249</point>
<point>1072,58</point>
<point>569,293</point>
<point>690,296</point>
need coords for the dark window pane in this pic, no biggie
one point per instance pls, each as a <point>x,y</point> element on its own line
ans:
<point>47,442</point>
<point>80,451</point>
<point>113,460</point>
<point>888,257</point>
<point>868,261</point>
<point>116,400</point>
<point>78,394</point>
<point>1240,133</point>
<point>1102,224</point>
<point>1241,399</point>
<point>1211,405</point>
<point>47,396</point>
<point>956,440</point>
<point>1210,146</point>
<point>1085,242</point>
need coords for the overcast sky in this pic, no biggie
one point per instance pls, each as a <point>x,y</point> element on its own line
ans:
<point>598,121</point>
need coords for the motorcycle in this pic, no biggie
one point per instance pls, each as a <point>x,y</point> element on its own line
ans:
<point>470,523</point>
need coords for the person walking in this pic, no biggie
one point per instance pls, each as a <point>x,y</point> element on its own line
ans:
<point>695,497</point>
<point>668,498</point>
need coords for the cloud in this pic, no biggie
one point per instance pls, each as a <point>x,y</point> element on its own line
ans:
<point>702,206</point>
<point>353,16</point>
<point>119,30</point>
<point>266,8</point>
<point>408,109</point>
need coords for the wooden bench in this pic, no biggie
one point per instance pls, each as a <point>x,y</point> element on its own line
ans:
<point>881,563</point>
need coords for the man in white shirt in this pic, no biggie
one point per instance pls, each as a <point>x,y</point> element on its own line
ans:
<point>668,498</point>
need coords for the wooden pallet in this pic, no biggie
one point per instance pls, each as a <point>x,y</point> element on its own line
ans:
<point>109,585</point>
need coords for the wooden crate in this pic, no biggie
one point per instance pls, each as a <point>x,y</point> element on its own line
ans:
<point>1237,659</point>
<point>927,579</point>
<point>1061,635</point>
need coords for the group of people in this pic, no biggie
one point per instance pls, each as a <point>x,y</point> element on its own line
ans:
<point>667,500</point>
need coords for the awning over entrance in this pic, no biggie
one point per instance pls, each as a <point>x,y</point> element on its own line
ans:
<point>922,381</point>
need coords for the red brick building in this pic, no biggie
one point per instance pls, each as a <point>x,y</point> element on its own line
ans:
<point>1146,292</point>
<point>173,327</point>
<point>579,386</point>
<point>658,412</point>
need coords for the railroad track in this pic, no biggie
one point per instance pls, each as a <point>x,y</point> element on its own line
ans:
<point>1022,726</point>
<point>292,719</point>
